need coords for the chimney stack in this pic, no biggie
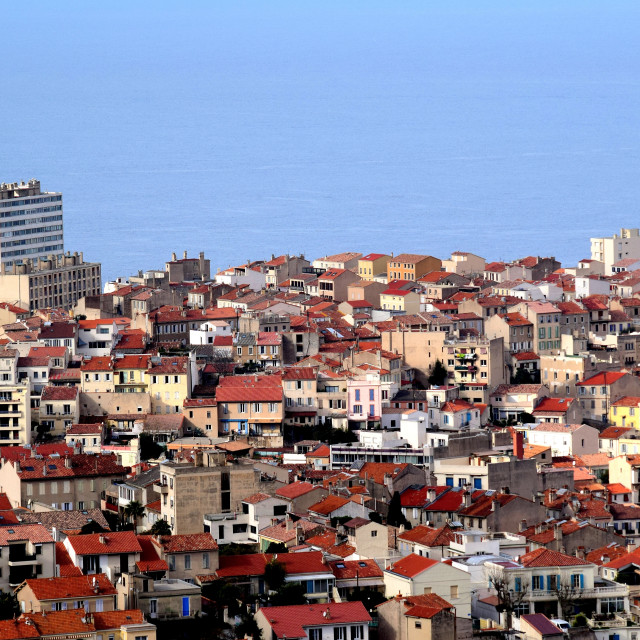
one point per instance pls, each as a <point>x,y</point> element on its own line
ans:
<point>518,445</point>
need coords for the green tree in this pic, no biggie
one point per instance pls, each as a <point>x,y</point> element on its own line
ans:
<point>277,547</point>
<point>395,517</point>
<point>369,598</point>
<point>289,593</point>
<point>274,574</point>
<point>9,607</point>
<point>132,512</point>
<point>522,376</point>
<point>91,527</point>
<point>438,374</point>
<point>149,448</point>
<point>160,528</point>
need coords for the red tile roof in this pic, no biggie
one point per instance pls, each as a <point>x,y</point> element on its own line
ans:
<point>187,542</point>
<point>291,621</point>
<point>105,620</point>
<point>553,405</point>
<point>327,506</point>
<point>84,429</point>
<point>613,433</point>
<point>349,569</point>
<point>300,373</point>
<point>97,363</point>
<point>81,464</point>
<point>429,537</point>
<point>603,378</point>
<point>626,401</point>
<point>417,496</point>
<point>76,587</point>
<point>377,470</point>
<point>59,393</point>
<point>105,543</point>
<point>412,565</point>
<point>35,533</point>
<point>63,560</point>
<point>149,558</point>
<point>425,606</point>
<point>483,505</point>
<point>295,490</point>
<point>254,563</point>
<point>547,558</point>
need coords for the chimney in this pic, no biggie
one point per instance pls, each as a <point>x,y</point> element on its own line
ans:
<point>184,255</point>
<point>557,532</point>
<point>518,445</point>
<point>173,257</point>
<point>17,466</point>
<point>198,459</point>
<point>289,523</point>
<point>552,495</point>
<point>495,505</point>
<point>467,499</point>
<point>102,539</point>
<point>33,451</point>
<point>431,495</point>
<point>67,462</point>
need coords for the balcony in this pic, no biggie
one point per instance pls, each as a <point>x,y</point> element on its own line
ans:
<point>162,487</point>
<point>596,592</point>
<point>22,560</point>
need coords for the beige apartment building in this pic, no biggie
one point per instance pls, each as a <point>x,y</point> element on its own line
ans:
<point>15,401</point>
<point>475,366</point>
<point>420,349</point>
<point>59,409</point>
<point>208,486</point>
<point>464,263</point>
<point>50,282</point>
<point>74,482</point>
<point>617,247</point>
<point>300,388</point>
<point>371,265</point>
<point>562,372</point>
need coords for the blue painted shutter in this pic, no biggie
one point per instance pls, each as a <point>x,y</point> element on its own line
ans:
<point>309,586</point>
<point>518,584</point>
<point>449,482</point>
<point>582,581</point>
<point>548,583</point>
<point>477,483</point>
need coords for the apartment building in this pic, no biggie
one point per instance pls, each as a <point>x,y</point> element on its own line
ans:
<point>609,250</point>
<point>32,225</point>
<point>73,482</point>
<point>372,265</point>
<point>15,401</point>
<point>411,266</point>
<point>26,551</point>
<point>475,366</point>
<point>51,282</point>
<point>208,486</point>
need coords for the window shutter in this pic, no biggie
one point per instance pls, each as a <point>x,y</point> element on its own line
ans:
<point>518,582</point>
<point>582,581</point>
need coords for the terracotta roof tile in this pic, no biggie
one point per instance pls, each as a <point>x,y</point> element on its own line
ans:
<point>105,544</point>
<point>76,587</point>
<point>548,558</point>
<point>412,565</point>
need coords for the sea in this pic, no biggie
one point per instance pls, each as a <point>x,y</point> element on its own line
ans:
<point>250,128</point>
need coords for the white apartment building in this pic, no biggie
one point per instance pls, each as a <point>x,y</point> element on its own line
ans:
<point>30,222</point>
<point>617,247</point>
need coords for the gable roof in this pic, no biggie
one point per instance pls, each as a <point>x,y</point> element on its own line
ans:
<point>75,587</point>
<point>412,565</point>
<point>105,543</point>
<point>547,558</point>
<point>291,621</point>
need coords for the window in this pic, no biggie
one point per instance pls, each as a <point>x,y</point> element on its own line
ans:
<point>453,591</point>
<point>172,563</point>
<point>205,560</point>
<point>374,534</point>
<point>187,561</point>
<point>537,582</point>
<point>340,633</point>
<point>357,395</point>
<point>242,407</point>
<point>577,580</point>
<point>315,634</point>
<point>418,625</point>
<point>357,632</point>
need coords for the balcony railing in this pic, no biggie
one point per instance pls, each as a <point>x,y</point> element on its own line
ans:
<point>595,592</point>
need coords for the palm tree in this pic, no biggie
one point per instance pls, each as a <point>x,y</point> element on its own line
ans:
<point>133,511</point>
